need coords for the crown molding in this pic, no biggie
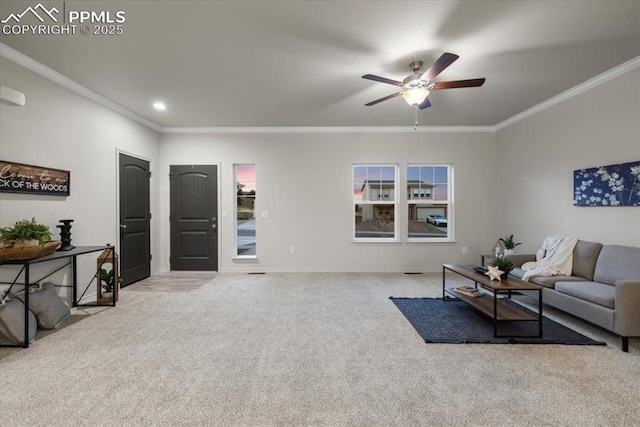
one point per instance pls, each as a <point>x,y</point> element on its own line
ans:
<point>574,91</point>
<point>330,129</point>
<point>43,70</point>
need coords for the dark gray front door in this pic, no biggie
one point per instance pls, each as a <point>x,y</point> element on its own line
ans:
<point>194,217</point>
<point>135,220</point>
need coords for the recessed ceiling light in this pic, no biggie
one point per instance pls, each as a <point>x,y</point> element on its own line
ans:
<point>159,106</point>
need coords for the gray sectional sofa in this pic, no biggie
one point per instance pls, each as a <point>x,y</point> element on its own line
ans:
<point>604,287</point>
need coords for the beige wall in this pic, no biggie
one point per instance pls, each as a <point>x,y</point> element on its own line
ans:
<point>304,181</point>
<point>537,156</point>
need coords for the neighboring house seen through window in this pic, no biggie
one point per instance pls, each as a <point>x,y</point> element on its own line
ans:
<point>375,196</point>
<point>429,202</point>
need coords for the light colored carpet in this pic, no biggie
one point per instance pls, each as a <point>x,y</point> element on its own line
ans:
<point>41,334</point>
<point>305,349</point>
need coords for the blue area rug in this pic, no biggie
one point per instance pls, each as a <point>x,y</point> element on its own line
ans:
<point>454,322</point>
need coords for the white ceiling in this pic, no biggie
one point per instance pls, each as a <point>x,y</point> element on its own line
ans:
<point>299,63</point>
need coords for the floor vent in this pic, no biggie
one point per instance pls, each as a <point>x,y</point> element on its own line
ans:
<point>409,272</point>
<point>257,272</point>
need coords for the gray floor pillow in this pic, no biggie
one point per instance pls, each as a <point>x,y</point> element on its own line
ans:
<point>48,307</point>
<point>12,321</point>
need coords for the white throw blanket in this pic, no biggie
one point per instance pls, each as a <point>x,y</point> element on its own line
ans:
<point>558,258</point>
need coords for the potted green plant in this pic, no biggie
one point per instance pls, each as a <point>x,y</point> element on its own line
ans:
<point>504,264</point>
<point>106,281</point>
<point>107,284</point>
<point>509,244</point>
<point>25,233</point>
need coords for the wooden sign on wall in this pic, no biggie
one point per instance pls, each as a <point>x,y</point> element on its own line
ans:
<point>19,178</point>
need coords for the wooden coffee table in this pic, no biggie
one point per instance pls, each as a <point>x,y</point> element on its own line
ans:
<point>491,304</point>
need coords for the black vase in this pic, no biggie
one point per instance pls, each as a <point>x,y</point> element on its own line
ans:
<point>65,235</point>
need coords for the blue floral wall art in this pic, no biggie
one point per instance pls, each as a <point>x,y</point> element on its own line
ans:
<point>613,185</point>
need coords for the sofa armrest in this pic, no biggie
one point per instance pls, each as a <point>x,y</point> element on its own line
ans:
<point>520,259</point>
<point>627,301</point>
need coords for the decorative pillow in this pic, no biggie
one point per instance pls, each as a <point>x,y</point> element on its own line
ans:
<point>12,321</point>
<point>48,307</point>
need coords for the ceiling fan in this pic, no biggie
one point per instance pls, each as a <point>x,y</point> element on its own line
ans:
<point>416,88</point>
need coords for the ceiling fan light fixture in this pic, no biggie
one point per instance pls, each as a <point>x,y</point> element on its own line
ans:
<point>415,96</point>
<point>416,87</point>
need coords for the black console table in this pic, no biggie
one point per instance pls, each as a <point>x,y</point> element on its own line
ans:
<point>72,258</point>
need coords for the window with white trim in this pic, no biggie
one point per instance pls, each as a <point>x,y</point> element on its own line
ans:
<point>245,213</point>
<point>429,190</point>
<point>375,195</point>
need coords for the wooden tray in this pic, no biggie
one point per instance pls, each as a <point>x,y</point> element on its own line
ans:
<point>28,252</point>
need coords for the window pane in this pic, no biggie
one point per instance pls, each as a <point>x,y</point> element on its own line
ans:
<point>245,209</point>
<point>413,173</point>
<point>426,174</point>
<point>440,174</point>
<point>440,192</point>
<point>359,177</point>
<point>388,173</point>
<point>388,182</point>
<point>374,220</point>
<point>428,220</point>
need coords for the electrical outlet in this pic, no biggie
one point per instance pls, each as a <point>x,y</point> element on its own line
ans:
<point>464,250</point>
<point>292,250</point>
<point>224,214</point>
<point>265,214</point>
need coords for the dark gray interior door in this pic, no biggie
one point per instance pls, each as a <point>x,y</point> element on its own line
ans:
<point>194,217</point>
<point>135,220</point>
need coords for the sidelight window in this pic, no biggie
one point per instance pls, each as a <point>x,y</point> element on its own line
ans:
<point>245,182</point>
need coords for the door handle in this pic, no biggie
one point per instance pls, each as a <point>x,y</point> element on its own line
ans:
<point>123,226</point>
<point>214,226</point>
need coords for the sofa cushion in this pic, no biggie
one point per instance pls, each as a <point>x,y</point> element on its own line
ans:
<point>546,281</point>
<point>617,262</point>
<point>517,272</point>
<point>551,281</point>
<point>585,256</point>
<point>597,293</point>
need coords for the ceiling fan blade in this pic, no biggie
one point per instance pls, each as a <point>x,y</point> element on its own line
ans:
<point>458,83</point>
<point>425,104</point>
<point>439,66</point>
<point>382,99</point>
<point>382,80</point>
